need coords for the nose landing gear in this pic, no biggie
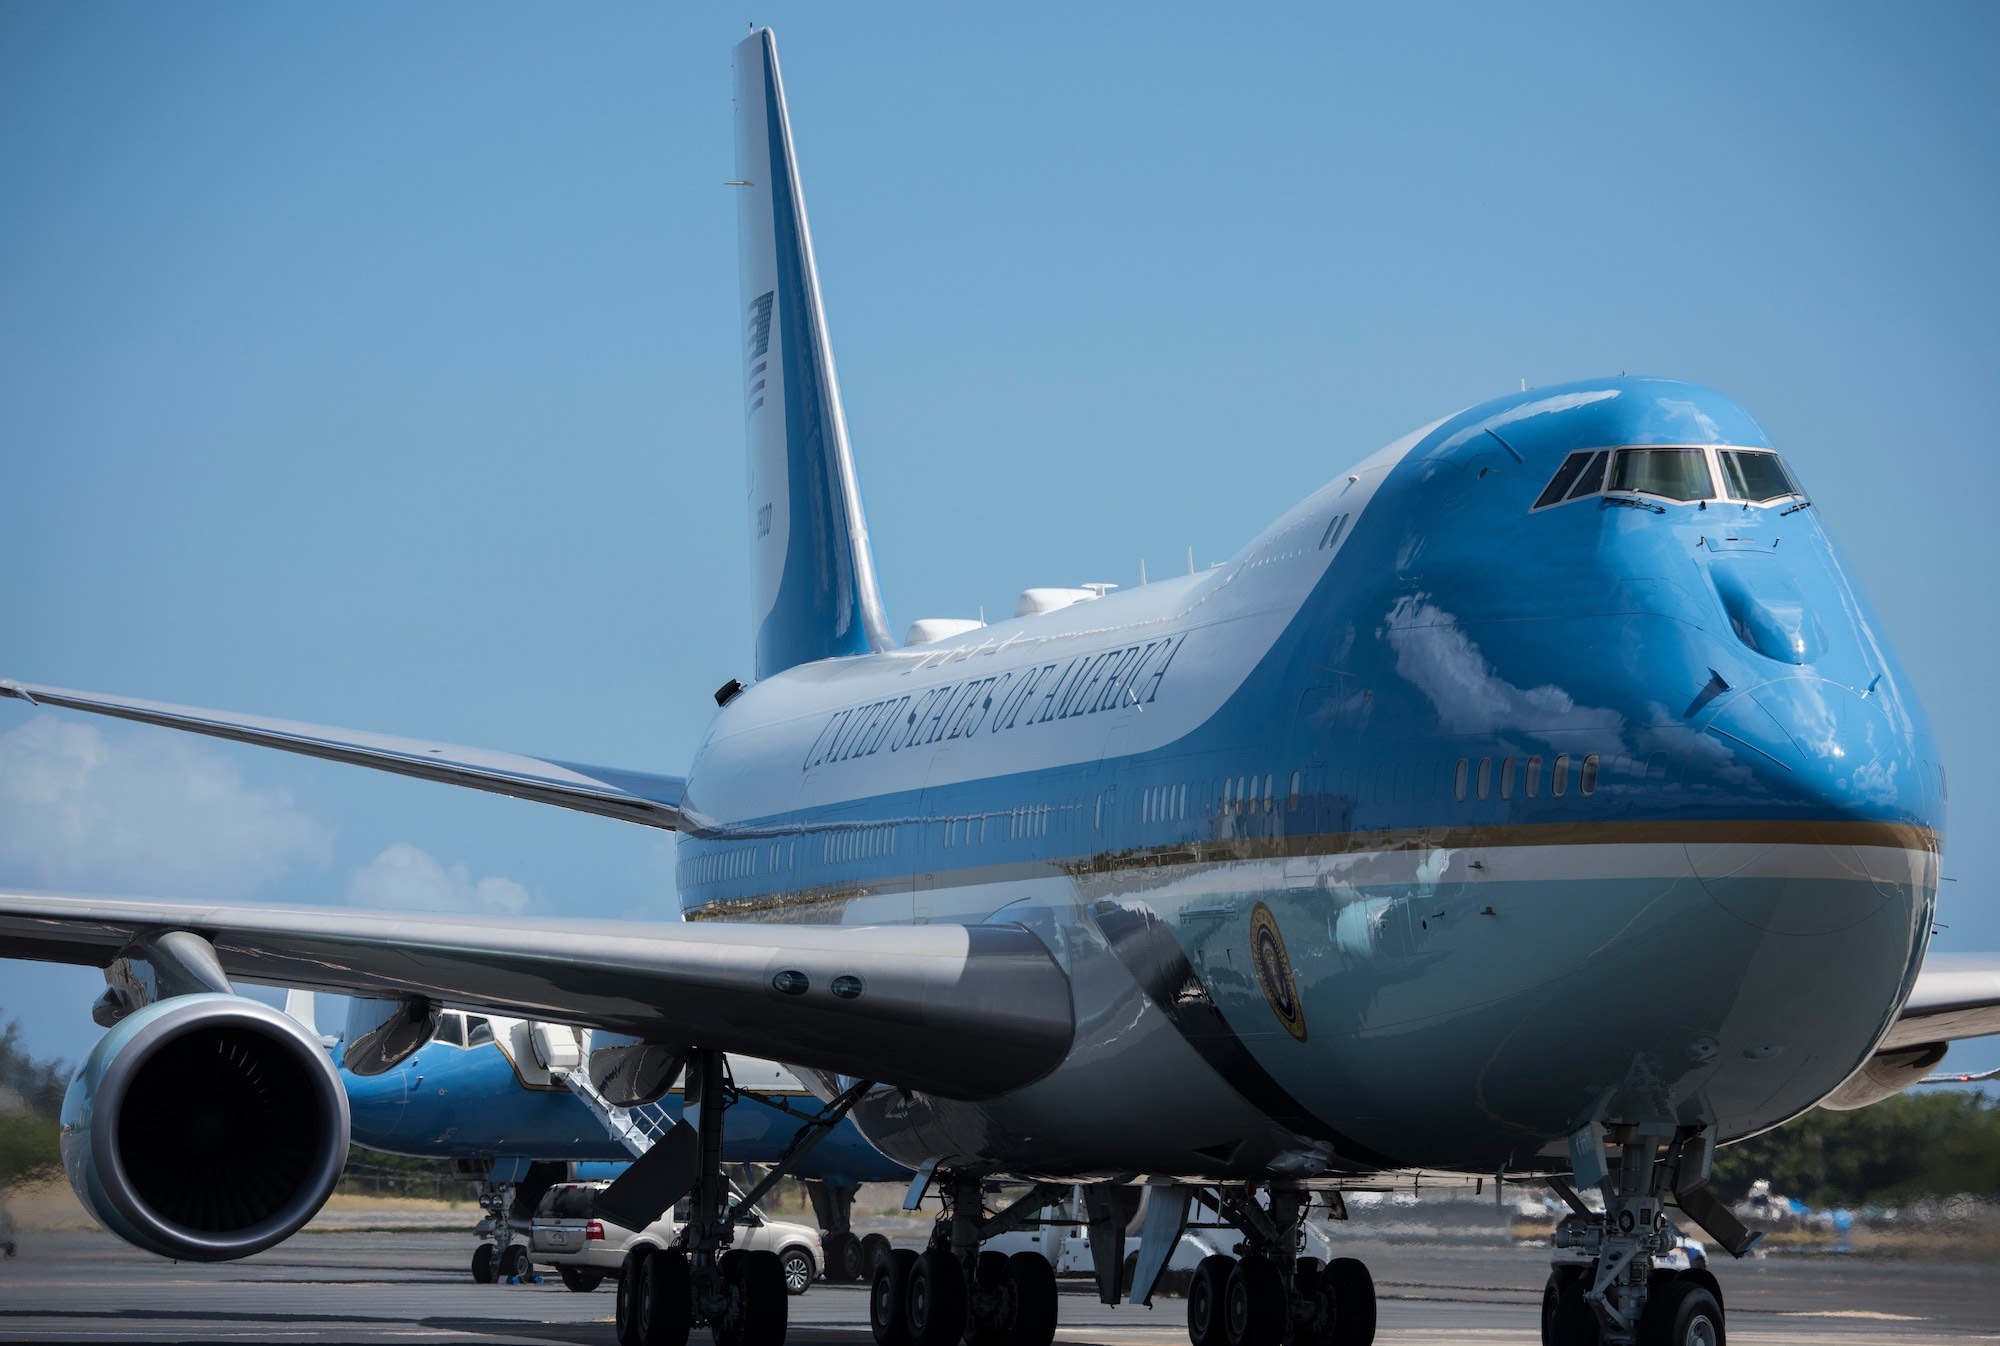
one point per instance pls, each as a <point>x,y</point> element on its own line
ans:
<point>1618,1297</point>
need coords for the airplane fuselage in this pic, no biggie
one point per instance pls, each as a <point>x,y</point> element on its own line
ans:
<point>1431,826</point>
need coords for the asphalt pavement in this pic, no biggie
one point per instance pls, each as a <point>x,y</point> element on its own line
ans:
<point>362,1287</point>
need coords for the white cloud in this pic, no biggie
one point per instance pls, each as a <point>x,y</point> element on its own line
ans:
<point>141,811</point>
<point>407,878</point>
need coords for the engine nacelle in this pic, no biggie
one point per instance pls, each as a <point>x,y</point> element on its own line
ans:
<point>1885,1074</point>
<point>205,1127</point>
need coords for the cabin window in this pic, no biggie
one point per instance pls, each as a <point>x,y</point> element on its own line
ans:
<point>1485,776</point>
<point>1675,474</point>
<point>1559,775</point>
<point>1507,778</point>
<point>1755,477</point>
<point>1292,799</point>
<point>1589,783</point>
<point>1533,784</point>
<point>1592,479</point>
<point>1565,477</point>
<point>1180,806</point>
<point>1267,792</point>
<point>1459,779</point>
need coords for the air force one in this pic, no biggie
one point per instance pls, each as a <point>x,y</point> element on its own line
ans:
<point>1539,798</point>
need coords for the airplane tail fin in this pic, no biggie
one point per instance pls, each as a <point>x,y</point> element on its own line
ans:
<point>813,574</point>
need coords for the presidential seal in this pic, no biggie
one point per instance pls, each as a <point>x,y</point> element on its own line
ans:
<point>1274,971</point>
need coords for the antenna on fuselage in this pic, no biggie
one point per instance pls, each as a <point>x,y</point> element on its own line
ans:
<point>1190,560</point>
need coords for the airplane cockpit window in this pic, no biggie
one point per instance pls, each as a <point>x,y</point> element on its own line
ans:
<point>451,1030</point>
<point>1592,479</point>
<point>1676,474</point>
<point>1564,478</point>
<point>479,1032</point>
<point>1755,477</point>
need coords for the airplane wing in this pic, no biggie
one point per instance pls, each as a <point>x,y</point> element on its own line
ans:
<point>1957,995</point>
<point>635,796</point>
<point>960,1011</point>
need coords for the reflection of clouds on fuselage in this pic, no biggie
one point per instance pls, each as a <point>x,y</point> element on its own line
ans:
<point>1539,407</point>
<point>1445,664</point>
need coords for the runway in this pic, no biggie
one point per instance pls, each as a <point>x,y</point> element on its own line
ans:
<point>357,1287</point>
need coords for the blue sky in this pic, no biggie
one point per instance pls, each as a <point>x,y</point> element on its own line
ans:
<point>378,366</point>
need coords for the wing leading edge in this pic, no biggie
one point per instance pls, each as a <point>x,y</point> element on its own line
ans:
<point>959,1011</point>
<point>634,796</point>
<point>1957,995</point>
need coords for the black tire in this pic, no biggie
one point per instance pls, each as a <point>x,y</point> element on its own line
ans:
<point>1348,1287</point>
<point>762,1308</point>
<point>1204,1301</point>
<point>1573,1322</point>
<point>633,1289</point>
<point>1683,1313</point>
<point>1253,1305</point>
<point>1034,1300</point>
<point>667,1297</point>
<point>934,1305</point>
<point>874,1247</point>
<point>580,1279</point>
<point>483,1270</point>
<point>796,1266</point>
<point>886,1295</point>
<point>990,1273</point>
<point>514,1262</point>
<point>843,1257</point>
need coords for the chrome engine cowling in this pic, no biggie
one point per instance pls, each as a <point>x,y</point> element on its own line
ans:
<point>205,1127</point>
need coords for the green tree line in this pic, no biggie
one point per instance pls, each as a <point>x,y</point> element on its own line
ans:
<point>1927,1143</point>
<point>28,1139</point>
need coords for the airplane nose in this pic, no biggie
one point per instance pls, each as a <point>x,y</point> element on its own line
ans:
<point>1837,806</point>
<point>1809,748</point>
<point>375,1104</point>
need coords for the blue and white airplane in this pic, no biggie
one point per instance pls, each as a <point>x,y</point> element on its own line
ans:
<point>485,1090</point>
<point>1538,798</point>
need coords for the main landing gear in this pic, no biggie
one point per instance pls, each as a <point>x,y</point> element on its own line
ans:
<point>664,1293</point>
<point>1618,1297</point>
<point>848,1257</point>
<point>1268,1294</point>
<point>952,1292</point>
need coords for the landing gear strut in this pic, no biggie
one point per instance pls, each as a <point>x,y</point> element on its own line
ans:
<point>833,1207</point>
<point>1269,1294</point>
<point>1618,1297</point>
<point>739,1294</point>
<point>953,1292</point>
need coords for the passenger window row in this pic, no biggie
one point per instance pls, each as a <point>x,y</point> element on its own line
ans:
<point>1163,803</point>
<point>1480,780</point>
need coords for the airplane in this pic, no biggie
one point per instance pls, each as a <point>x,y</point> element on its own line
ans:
<point>1564,801</point>
<point>503,1096</point>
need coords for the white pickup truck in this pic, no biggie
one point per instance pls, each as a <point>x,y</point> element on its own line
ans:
<point>584,1249</point>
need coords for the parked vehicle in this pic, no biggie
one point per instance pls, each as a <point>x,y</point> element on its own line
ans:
<point>584,1249</point>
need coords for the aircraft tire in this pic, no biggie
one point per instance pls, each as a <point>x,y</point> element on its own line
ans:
<point>580,1279</point>
<point>1034,1300</point>
<point>1683,1313</point>
<point>1572,1322</point>
<point>989,1273</point>
<point>874,1247</point>
<point>514,1262</point>
<point>887,1293</point>
<point>632,1293</point>
<point>664,1308</point>
<point>1347,1284</point>
<point>843,1257</point>
<point>935,1300</point>
<point>761,1312</point>
<point>1204,1300</point>
<point>482,1264</point>
<point>1253,1306</point>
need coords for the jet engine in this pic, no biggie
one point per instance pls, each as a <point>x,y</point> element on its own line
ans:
<point>205,1127</point>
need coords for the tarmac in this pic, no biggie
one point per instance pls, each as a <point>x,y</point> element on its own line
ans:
<point>357,1286</point>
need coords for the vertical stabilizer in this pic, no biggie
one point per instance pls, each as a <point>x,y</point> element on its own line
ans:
<point>812,575</point>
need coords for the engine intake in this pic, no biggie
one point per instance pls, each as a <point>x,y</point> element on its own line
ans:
<point>205,1127</point>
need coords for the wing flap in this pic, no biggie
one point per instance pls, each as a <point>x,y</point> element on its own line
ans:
<point>631,795</point>
<point>959,1011</point>
<point>1957,995</point>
